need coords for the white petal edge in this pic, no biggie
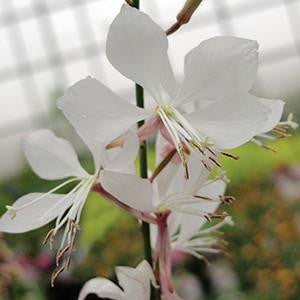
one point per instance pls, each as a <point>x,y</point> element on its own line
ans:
<point>276,109</point>
<point>51,157</point>
<point>35,215</point>
<point>217,66</point>
<point>97,114</point>
<point>231,122</point>
<point>132,190</point>
<point>103,288</point>
<point>135,44</point>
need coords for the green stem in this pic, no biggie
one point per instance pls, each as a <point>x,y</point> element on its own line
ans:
<point>135,3</point>
<point>144,174</point>
<point>145,229</point>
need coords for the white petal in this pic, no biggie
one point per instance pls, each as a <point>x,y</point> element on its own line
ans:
<point>126,155</point>
<point>191,224</point>
<point>97,114</point>
<point>231,122</point>
<point>147,271</point>
<point>35,215</point>
<point>52,157</point>
<point>174,222</point>
<point>135,282</point>
<point>137,47</point>
<point>103,288</point>
<point>198,174</point>
<point>217,66</point>
<point>276,108</point>
<point>129,189</point>
<point>165,179</point>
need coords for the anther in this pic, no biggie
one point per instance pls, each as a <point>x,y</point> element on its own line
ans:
<point>206,165</point>
<point>184,160</point>
<point>193,143</point>
<point>55,275</point>
<point>230,155</point>
<point>202,197</point>
<point>268,148</point>
<point>60,254</point>
<point>215,161</point>
<point>227,199</point>
<point>49,238</point>
<point>217,216</point>
<point>211,151</point>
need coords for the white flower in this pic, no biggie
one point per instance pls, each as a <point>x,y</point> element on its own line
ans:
<point>168,192</point>
<point>135,283</point>
<point>218,76</point>
<point>51,158</point>
<point>185,226</point>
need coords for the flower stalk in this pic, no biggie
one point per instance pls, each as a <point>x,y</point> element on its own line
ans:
<point>143,162</point>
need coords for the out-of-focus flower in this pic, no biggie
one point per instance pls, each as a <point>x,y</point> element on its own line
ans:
<point>287,182</point>
<point>135,283</point>
<point>226,115</point>
<point>51,158</point>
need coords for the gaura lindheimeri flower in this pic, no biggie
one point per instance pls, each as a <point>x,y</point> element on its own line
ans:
<point>135,284</point>
<point>168,192</point>
<point>185,230</point>
<point>52,158</point>
<point>218,76</point>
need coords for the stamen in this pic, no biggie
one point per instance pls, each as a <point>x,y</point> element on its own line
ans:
<point>211,151</point>
<point>203,197</point>
<point>217,216</point>
<point>230,155</point>
<point>60,253</point>
<point>206,165</point>
<point>259,143</point>
<point>268,148</point>
<point>197,146</point>
<point>182,133</point>
<point>182,154</point>
<point>215,161</point>
<point>46,194</point>
<point>55,275</point>
<point>49,238</point>
<point>227,199</point>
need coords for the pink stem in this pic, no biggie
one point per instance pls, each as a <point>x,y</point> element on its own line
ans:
<point>163,257</point>
<point>146,217</point>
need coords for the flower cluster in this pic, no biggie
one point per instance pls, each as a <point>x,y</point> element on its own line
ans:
<point>195,122</point>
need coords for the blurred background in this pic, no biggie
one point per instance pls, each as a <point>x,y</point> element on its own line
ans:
<point>47,45</point>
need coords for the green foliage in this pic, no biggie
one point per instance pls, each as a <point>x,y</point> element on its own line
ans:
<point>97,218</point>
<point>255,160</point>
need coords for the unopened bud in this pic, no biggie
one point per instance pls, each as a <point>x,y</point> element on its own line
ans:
<point>184,15</point>
<point>187,11</point>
